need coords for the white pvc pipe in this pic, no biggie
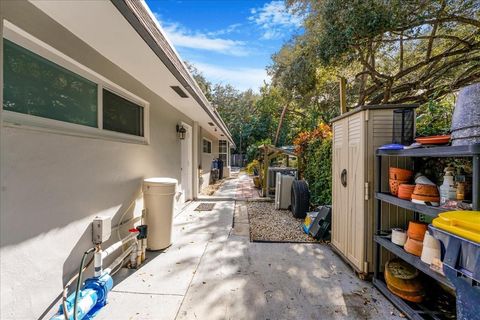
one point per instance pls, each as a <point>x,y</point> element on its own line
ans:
<point>117,245</point>
<point>119,260</point>
<point>133,255</point>
<point>100,255</point>
<point>97,263</point>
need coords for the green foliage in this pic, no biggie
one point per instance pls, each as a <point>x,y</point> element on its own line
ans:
<point>435,117</point>
<point>202,82</point>
<point>252,150</point>
<point>318,170</point>
<point>252,165</point>
<point>314,150</point>
<point>390,51</point>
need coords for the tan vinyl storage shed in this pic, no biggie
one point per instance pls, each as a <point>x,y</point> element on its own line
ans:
<point>356,136</point>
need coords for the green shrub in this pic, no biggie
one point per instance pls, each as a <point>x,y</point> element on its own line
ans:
<point>252,150</point>
<point>252,165</point>
<point>318,171</point>
<point>314,149</point>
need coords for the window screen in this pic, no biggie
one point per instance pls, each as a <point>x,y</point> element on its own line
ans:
<point>36,86</point>
<point>207,146</point>
<point>222,146</point>
<point>122,115</point>
<point>223,151</point>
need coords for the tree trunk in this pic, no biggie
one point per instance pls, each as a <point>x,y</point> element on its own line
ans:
<point>280,122</point>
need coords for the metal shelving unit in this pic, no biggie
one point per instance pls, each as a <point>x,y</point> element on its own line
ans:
<point>414,311</point>
<point>420,208</point>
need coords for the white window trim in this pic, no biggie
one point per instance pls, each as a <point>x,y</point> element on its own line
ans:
<point>211,145</point>
<point>227,145</point>
<point>31,122</point>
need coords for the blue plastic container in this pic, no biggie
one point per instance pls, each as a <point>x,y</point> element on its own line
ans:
<point>214,164</point>
<point>461,265</point>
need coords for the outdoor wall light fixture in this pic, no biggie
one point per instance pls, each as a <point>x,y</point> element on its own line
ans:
<point>181,131</point>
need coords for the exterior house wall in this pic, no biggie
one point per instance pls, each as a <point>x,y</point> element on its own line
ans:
<point>54,183</point>
<point>206,158</point>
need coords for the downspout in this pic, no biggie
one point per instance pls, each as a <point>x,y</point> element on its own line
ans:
<point>195,160</point>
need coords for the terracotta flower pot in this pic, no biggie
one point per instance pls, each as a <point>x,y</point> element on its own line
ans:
<point>413,246</point>
<point>402,280</point>
<point>405,191</point>
<point>416,230</point>
<point>394,185</point>
<point>400,174</point>
<point>426,193</point>
<point>426,190</point>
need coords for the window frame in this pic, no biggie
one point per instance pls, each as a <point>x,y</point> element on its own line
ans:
<point>211,145</point>
<point>226,151</point>
<point>37,123</point>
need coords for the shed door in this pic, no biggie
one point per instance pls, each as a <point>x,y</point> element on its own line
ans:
<point>340,194</point>
<point>356,183</point>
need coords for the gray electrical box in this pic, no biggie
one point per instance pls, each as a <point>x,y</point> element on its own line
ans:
<point>101,229</point>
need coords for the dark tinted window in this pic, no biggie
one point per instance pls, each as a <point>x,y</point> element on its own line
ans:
<point>36,86</point>
<point>121,115</point>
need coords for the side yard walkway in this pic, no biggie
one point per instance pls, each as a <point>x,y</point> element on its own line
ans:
<point>213,271</point>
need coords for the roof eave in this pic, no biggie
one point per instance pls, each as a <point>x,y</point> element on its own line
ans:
<point>142,20</point>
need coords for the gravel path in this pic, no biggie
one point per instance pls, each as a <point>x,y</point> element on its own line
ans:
<point>268,224</point>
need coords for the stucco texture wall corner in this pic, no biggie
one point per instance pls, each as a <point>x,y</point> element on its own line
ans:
<point>54,183</point>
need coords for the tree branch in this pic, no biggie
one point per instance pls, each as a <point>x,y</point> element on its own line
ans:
<point>451,18</point>
<point>401,52</point>
<point>435,58</point>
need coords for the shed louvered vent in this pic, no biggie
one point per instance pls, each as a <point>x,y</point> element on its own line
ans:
<point>179,91</point>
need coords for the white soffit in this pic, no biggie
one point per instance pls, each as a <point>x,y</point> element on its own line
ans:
<point>101,25</point>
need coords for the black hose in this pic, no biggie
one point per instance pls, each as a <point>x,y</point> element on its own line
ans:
<point>79,280</point>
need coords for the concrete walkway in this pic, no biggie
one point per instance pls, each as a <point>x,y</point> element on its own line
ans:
<point>213,271</point>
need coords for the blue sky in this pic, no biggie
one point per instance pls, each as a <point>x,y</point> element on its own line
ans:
<point>229,41</point>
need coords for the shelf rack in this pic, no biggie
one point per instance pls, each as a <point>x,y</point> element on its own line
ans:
<point>471,151</point>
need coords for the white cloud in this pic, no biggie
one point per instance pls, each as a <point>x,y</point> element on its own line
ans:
<point>185,38</point>
<point>273,18</point>
<point>230,29</point>
<point>240,78</point>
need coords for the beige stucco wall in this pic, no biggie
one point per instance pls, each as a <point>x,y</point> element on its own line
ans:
<point>53,184</point>
<point>206,158</point>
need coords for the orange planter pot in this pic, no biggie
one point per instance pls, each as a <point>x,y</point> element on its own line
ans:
<point>413,246</point>
<point>394,186</point>
<point>426,193</point>
<point>402,280</point>
<point>426,190</point>
<point>416,230</point>
<point>405,191</point>
<point>400,174</point>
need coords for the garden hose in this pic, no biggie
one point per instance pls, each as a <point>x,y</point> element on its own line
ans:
<point>65,289</point>
<point>79,280</point>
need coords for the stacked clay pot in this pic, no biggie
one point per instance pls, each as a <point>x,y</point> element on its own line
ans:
<point>415,235</point>
<point>426,194</point>
<point>403,280</point>
<point>405,191</point>
<point>398,177</point>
